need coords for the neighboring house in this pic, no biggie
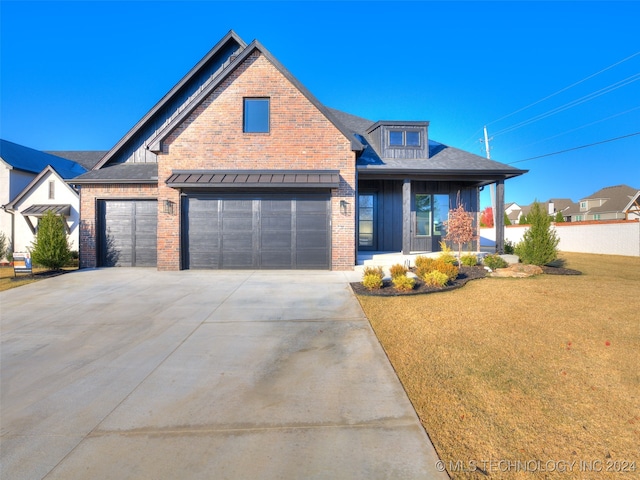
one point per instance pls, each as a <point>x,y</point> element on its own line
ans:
<point>514,212</point>
<point>31,181</point>
<point>619,202</point>
<point>240,166</point>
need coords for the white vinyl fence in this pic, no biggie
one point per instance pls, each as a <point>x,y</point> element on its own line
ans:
<point>616,237</point>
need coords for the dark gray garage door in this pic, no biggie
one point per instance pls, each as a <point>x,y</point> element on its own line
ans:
<point>128,233</point>
<point>259,231</point>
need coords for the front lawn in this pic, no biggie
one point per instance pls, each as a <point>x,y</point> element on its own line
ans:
<point>513,377</point>
<point>8,281</point>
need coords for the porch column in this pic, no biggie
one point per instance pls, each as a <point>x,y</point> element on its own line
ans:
<point>498,216</point>
<point>406,216</point>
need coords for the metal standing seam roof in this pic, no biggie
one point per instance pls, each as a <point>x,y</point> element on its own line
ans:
<point>40,210</point>
<point>255,178</point>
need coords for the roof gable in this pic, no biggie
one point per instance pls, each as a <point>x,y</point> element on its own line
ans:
<point>34,161</point>
<point>155,145</point>
<point>170,104</point>
<point>33,185</point>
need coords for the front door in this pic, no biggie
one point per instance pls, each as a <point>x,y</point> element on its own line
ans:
<point>366,221</point>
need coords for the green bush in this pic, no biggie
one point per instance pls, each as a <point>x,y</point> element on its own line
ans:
<point>404,283</point>
<point>509,247</point>
<point>494,261</point>
<point>50,248</point>
<point>4,244</point>
<point>435,279</point>
<point>469,260</point>
<point>398,270</point>
<point>372,282</point>
<point>539,243</point>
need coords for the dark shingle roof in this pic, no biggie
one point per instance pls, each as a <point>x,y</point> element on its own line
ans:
<point>121,173</point>
<point>87,159</point>
<point>34,161</point>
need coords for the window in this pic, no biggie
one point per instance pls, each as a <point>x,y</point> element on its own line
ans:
<point>596,216</point>
<point>404,138</point>
<point>52,190</point>
<point>256,115</point>
<point>440,214</point>
<point>583,206</point>
<point>423,214</point>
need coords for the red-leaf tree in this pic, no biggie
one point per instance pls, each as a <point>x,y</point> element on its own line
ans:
<point>460,227</point>
<point>486,217</point>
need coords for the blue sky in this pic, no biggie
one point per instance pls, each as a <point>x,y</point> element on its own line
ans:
<point>78,75</point>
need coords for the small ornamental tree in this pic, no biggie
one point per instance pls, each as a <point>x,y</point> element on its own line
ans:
<point>559,217</point>
<point>486,218</point>
<point>539,243</point>
<point>460,227</point>
<point>3,245</point>
<point>51,247</point>
<point>506,220</point>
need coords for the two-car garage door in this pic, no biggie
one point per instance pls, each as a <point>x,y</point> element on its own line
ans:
<point>267,231</point>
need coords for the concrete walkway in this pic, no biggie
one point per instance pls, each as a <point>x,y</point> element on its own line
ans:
<point>133,373</point>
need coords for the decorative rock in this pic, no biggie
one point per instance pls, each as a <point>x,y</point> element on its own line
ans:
<point>517,270</point>
<point>510,259</point>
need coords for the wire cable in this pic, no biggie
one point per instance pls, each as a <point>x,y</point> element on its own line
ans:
<point>575,148</point>
<point>573,103</point>
<point>565,88</point>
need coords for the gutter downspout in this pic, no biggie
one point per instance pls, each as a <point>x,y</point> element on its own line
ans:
<point>13,226</point>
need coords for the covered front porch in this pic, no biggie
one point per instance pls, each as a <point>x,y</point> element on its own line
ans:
<point>404,217</point>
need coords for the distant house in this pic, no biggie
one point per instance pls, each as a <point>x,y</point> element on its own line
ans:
<point>619,202</point>
<point>240,166</point>
<point>513,211</point>
<point>33,182</point>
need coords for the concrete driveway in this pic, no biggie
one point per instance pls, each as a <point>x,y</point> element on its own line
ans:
<point>135,373</point>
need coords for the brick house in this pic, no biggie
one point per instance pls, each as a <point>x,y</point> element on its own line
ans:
<point>240,166</point>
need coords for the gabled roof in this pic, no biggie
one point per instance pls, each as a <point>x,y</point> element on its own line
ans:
<point>48,170</point>
<point>236,60</point>
<point>228,39</point>
<point>155,144</point>
<point>617,198</point>
<point>34,161</point>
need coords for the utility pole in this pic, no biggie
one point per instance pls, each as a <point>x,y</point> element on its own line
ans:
<point>492,187</point>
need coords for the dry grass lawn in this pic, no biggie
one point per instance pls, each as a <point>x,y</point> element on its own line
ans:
<point>521,370</point>
<point>7,280</point>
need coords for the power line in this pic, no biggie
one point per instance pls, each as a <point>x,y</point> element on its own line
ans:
<point>573,103</point>
<point>575,148</point>
<point>565,88</point>
<point>574,129</point>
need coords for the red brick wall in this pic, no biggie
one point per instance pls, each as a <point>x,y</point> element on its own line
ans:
<point>89,196</point>
<point>300,137</point>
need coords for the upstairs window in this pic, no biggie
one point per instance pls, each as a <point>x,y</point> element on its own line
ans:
<point>52,190</point>
<point>256,115</point>
<point>404,138</point>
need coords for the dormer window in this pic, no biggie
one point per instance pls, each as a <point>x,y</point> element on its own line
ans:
<point>404,138</point>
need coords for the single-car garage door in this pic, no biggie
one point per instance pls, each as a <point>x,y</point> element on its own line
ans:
<point>268,231</point>
<point>128,233</point>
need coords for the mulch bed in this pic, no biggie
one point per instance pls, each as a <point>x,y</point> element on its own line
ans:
<point>466,274</point>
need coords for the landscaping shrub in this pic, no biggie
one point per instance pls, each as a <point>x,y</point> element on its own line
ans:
<point>469,260</point>
<point>404,283</point>
<point>421,261</point>
<point>372,281</point>
<point>435,279</point>
<point>398,270</point>
<point>429,265</point>
<point>3,245</point>
<point>51,247</point>
<point>494,261</point>
<point>539,243</point>
<point>377,271</point>
<point>446,254</point>
<point>509,247</point>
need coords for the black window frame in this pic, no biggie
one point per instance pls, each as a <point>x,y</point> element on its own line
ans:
<point>403,132</point>
<point>246,112</point>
